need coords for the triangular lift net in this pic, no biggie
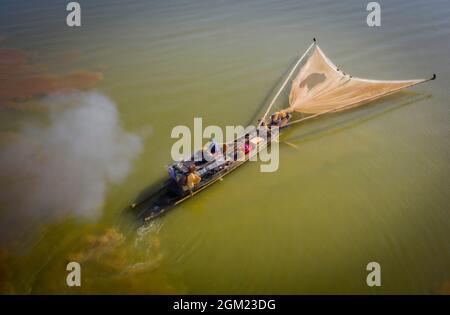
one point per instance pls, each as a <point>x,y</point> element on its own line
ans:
<point>319,87</point>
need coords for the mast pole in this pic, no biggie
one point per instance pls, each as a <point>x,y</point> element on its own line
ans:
<point>285,82</point>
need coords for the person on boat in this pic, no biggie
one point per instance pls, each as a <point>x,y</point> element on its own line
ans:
<point>192,178</point>
<point>213,148</point>
<point>280,118</point>
<point>274,119</point>
<point>247,147</point>
<point>284,118</point>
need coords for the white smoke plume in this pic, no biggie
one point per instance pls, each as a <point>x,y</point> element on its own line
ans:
<point>50,171</point>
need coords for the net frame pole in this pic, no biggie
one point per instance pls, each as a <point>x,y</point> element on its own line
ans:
<point>285,82</point>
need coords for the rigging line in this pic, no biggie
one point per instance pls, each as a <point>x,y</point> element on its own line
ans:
<point>285,82</point>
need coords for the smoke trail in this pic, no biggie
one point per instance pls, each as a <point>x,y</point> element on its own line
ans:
<point>62,169</point>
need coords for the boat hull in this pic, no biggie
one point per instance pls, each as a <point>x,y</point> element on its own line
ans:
<point>169,195</point>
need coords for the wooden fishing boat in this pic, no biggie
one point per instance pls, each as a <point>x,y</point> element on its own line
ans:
<point>170,194</point>
<point>318,88</point>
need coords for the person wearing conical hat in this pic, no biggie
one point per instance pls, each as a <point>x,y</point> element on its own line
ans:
<point>284,118</point>
<point>192,178</point>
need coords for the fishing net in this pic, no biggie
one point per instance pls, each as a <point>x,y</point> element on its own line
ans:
<point>320,87</point>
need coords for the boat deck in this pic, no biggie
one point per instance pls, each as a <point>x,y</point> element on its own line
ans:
<point>169,194</point>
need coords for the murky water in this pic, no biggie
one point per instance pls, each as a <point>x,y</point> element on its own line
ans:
<point>367,185</point>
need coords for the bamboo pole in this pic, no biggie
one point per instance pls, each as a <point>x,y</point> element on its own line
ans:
<point>285,82</point>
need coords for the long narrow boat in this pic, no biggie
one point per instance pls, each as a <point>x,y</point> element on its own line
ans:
<point>170,194</point>
<point>318,88</point>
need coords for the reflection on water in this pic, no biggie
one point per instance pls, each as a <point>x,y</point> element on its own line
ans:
<point>367,185</point>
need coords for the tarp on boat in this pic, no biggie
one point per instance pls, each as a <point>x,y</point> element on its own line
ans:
<point>321,87</point>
